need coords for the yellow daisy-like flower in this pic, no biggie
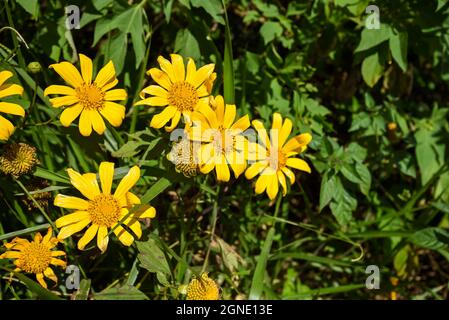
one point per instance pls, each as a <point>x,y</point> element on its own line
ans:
<point>18,159</point>
<point>181,92</point>
<point>6,90</point>
<point>224,143</point>
<point>93,100</point>
<point>36,256</point>
<point>276,156</point>
<point>102,210</point>
<point>203,288</point>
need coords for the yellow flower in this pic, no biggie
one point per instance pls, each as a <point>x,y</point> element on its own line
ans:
<point>6,90</point>
<point>223,140</point>
<point>102,210</point>
<point>91,99</point>
<point>181,92</point>
<point>18,159</point>
<point>184,158</point>
<point>203,288</point>
<point>276,156</point>
<point>36,256</point>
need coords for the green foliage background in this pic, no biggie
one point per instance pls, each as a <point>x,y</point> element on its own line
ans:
<point>375,102</point>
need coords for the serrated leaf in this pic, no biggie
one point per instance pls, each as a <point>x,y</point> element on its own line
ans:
<point>365,176</point>
<point>327,190</point>
<point>431,238</point>
<point>152,258</point>
<point>126,292</point>
<point>270,30</point>
<point>213,8</point>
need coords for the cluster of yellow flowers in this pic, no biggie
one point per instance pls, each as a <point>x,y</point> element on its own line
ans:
<point>209,124</point>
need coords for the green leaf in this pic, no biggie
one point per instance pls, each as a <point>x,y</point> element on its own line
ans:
<point>398,47</point>
<point>365,176</point>
<point>30,6</point>
<point>155,189</point>
<point>128,150</point>
<point>431,238</point>
<point>327,190</point>
<point>213,8</point>
<point>187,45</point>
<point>429,153</point>
<point>371,38</point>
<point>228,67</point>
<point>152,258</point>
<point>83,291</point>
<point>125,292</point>
<point>270,30</point>
<point>117,51</point>
<point>372,69</point>
<point>45,174</point>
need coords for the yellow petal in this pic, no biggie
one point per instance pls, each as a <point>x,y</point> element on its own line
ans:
<point>50,274</point>
<point>58,253</point>
<point>153,101</point>
<point>91,178</point>
<point>6,128</point>
<point>209,114</point>
<point>97,122</point>
<point>241,124</point>
<point>124,236</point>
<point>85,124</point>
<point>40,279</point>
<point>167,67</point>
<point>255,169</point>
<point>64,101</point>
<point>237,162</point>
<point>277,121</point>
<point>116,94</point>
<point>219,108</point>
<point>262,132</point>
<point>105,75</point>
<point>161,119</point>
<point>106,172</point>
<point>69,202</point>
<point>85,184</point>
<point>111,84</point>
<point>297,142</point>
<point>160,77</point>
<point>285,132</point>
<point>191,70</point>
<point>155,91</point>
<point>58,262</point>
<point>11,255</point>
<point>127,182</point>
<point>263,181</point>
<point>178,67</point>
<point>70,114</point>
<point>289,174</point>
<point>282,181</point>
<point>102,238</point>
<point>69,73</point>
<point>71,218</point>
<point>57,89</point>
<point>174,122</point>
<point>48,235</point>
<point>67,231</point>
<point>298,164</point>
<point>86,68</point>
<point>273,186</point>
<point>5,75</point>
<point>202,74</point>
<point>12,108</point>
<point>229,116</point>
<point>149,213</point>
<point>114,113</point>
<point>222,169</point>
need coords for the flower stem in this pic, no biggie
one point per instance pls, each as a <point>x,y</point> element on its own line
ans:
<point>214,223</point>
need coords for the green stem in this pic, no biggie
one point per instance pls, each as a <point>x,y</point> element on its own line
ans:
<point>24,231</point>
<point>214,223</point>
<point>14,37</point>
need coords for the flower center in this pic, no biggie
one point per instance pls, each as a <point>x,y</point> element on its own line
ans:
<point>104,210</point>
<point>184,158</point>
<point>183,96</point>
<point>203,289</point>
<point>35,258</point>
<point>90,96</point>
<point>277,159</point>
<point>18,159</point>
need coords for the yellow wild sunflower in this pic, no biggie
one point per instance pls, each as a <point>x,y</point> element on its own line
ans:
<point>91,100</point>
<point>276,156</point>
<point>203,288</point>
<point>224,143</point>
<point>180,92</point>
<point>6,90</point>
<point>36,256</point>
<point>102,210</point>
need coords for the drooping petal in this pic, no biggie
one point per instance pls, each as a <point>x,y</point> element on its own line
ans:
<point>85,123</point>
<point>273,186</point>
<point>102,238</point>
<point>222,169</point>
<point>50,274</point>
<point>124,236</point>
<point>282,181</point>
<point>12,108</point>
<point>255,169</point>
<point>67,231</point>
<point>5,75</point>
<point>97,122</point>
<point>263,181</point>
<point>289,174</point>
<point>40,279</point>
<point>159,120</point>
<point>6,128</point>
<point>174,122</point>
